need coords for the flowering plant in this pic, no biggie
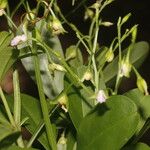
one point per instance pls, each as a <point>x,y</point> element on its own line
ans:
<point>79,104</point>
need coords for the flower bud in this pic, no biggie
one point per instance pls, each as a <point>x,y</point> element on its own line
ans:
<point>53,67</point>
<point>88,14</point>
<point>107,24</point>
<point>125,68</point>
<point>71,52</point>
<point>87,75</point>
<point>96,5</point>
<point>56,26</point>
<point>101,96</point>
<point>125,18</point>
<point>142,85</point>
<point>62,140</point>
<point>134,34</point>
<point>109,55</point>
<point>63,101</point>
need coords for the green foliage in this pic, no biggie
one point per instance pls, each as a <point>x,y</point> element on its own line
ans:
<point>8,55</point>
<point>79,106</point>
<point>138,55</point>
<point>138,146</point>
<point>109,125</point>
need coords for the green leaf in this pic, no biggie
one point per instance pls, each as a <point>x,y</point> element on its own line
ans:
<point>8,135</point>
<point>109,126</point>
<point>75,106</point>
<point>31,108</point>
<point>143,105</point>
<point>14,147</point>
<point>52,84</point>
<point>138,55</point>
<point>80,104</point>
<point>138,146</point>
<point>71,141</point>
<point>8,55</point>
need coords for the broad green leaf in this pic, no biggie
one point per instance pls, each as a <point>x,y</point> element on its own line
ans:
<point>109,126</point>
<point>52,84</point>
<point>80,104</point>
<point>138,146</point>
<point>14,147</point>
<point>143,105</point>
<point>8,134</point>
<point>138,55</point>
<point>31,108</point>
<point>71,141</point>
<point>8,55</point>
<point>75,106</point>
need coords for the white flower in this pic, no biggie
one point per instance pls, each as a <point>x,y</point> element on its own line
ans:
<point>19,38</point>
<point>125,69</point>
<point>101,96</point>
<point>2,11</point>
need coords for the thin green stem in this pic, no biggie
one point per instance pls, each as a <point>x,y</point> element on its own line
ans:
<point>10,21</point>
<point>120,55</point>
<point>17,105</point>
<point>96,75</point>
<point>10,117</point>
<point>62,60</point>
<point>17,99</point>
<point>44,107</point>
<point>38,129</point>
<point>94,61</point>
<point>16,8</point>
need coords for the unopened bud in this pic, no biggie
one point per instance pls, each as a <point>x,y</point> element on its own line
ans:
<point>107,24</point>
<point>125,18</point>
<point>71,52</point>
<point>63,99</point>
<point>62,140</point>
<point>109,55</point>
<point>88,14</point>
<point>142,85</point>
<point>54,67</point>
<point>134,34</point>
<point>87,75</point>
<point>96,5</point>
<point>56,27</point>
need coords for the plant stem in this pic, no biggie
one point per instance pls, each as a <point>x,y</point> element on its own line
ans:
<point>10,117</point>
<point>96,75</point>
<point>39,128</point>
<point>119,62</point>
<point>17,105</point>
<point>94,61</point>
<point>10,22</point>
<point>44,107</point>
<point>62,60</point>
